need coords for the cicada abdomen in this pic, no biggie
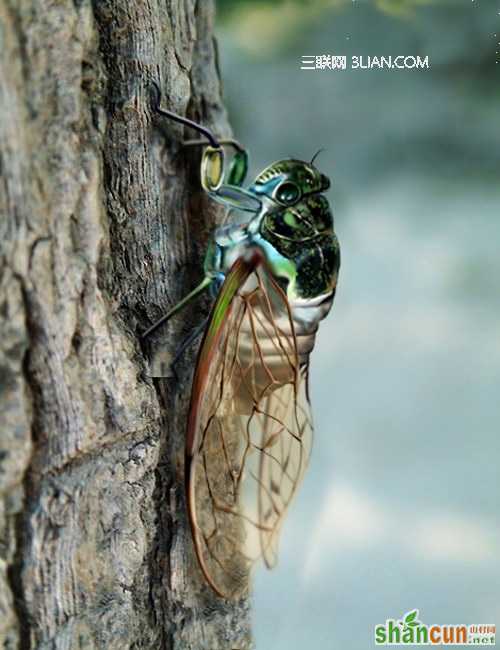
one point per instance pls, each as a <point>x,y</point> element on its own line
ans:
<point>285,332</point>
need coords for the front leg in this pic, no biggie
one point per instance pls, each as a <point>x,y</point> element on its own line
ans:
<point>227,191</point>
<point>238,166</point>
<point>212,180</point>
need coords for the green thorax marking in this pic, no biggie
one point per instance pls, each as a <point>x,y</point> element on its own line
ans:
<point>304,235</point>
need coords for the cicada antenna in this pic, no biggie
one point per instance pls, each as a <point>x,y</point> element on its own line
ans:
<point>316,155</point>
<point>182,120</point>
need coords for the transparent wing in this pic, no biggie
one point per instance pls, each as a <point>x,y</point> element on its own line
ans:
<point>250,430</point>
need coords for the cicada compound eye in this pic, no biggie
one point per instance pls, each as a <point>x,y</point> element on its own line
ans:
<point>287,193</point>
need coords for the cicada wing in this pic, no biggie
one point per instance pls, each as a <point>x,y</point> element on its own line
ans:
<point>249,431</point>
<point>283,463</point>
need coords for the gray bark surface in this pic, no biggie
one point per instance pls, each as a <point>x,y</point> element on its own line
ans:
<point>103,227</point>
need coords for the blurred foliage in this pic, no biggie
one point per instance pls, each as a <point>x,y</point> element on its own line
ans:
<point>264,26</point>
<point>278,28</point>
<point>229,8</point>
<point>401,8</point>
<point>261,46</point>
<point>261,26</point>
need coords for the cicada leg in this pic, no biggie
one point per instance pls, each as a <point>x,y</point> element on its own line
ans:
<point>207,281</point>
<point>238,166</point>
<point>163,365</point>
<point>223,187</point>
<point>182,120</point>
<point>161,362</point>
<point>187,343</point>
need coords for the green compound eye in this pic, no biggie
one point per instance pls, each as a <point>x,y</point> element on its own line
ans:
<point>287,193</point>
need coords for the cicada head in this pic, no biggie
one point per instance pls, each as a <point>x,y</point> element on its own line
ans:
<point>287,182</point>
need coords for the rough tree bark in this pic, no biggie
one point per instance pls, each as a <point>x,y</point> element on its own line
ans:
<point>103,227</point>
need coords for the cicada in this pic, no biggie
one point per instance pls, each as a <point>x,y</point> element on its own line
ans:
<point>272,267</point>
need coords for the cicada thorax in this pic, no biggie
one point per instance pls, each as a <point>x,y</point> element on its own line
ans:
<point>303,234</point>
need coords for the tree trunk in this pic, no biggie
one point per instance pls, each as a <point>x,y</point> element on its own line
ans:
<point>103,225</point>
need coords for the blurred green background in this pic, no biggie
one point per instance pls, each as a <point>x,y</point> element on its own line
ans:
<point>399,509</point>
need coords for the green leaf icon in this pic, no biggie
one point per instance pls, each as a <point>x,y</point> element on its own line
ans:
<point>411,616</point>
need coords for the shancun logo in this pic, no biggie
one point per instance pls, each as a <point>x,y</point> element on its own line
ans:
<point>411,631</point>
